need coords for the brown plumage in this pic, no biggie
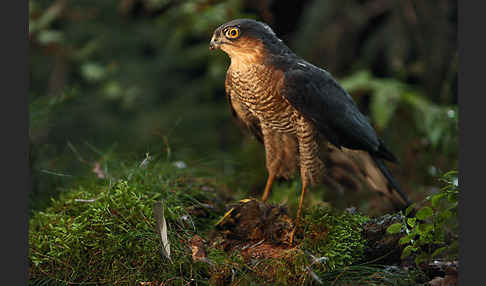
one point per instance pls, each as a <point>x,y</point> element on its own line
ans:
<point>298,111</point>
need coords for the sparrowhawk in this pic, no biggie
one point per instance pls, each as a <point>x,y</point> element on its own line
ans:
<point>297,110</point>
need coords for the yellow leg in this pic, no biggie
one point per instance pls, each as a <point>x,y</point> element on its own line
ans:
<point>299,213</point>
<point>268,187</point>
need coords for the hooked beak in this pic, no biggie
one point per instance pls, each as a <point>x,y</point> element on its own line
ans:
<point>214,44</point>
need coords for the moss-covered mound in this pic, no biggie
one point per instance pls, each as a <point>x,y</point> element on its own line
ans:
<point>103,231</point>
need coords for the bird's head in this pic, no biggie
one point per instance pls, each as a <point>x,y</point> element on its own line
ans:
<point>244,40</point>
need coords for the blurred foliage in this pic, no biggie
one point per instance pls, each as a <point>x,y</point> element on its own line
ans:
<point>126,83</point>
<point>412,41</point>
<point>436,123</point>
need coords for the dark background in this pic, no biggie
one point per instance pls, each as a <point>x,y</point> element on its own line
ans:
<point>130,77</point>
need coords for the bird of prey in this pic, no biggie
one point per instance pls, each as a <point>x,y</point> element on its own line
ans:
<point>297,110</point>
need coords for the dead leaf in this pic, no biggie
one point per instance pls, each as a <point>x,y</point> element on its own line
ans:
<point>263,251</point>
<point>162,228</point>
<point>197,247</point>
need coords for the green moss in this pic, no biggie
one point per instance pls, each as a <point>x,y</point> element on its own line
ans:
<point>110,236</point>
<point>336,236</point>
<point>103,232</point>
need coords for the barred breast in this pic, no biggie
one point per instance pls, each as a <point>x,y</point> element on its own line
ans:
<point>256,88</point>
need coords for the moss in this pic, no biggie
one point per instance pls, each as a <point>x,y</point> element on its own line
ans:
<point>333,236</point>
<point>336,236</point>
<point>110,236</point>
<point>103,232</point>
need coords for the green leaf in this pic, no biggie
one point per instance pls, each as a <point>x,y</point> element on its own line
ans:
<point>394,228</point>
<point>406,239</point>
<point>414,231</point>
<point>410,209</point>
<point>452,198</point>
<point>407,251</point>
<point>411,221</point>
<point>451,173</point>
<point>359,80</point>
<point>93,71</point>
<point>50,36</point>
<point>384,102</point>
<point>436,199</point>
<point>424,213</point>
<point>445,215</point>
<point>425,228</point>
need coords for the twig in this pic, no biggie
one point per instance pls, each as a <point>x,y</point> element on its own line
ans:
<point>54,173</point>
<point>76,153</point>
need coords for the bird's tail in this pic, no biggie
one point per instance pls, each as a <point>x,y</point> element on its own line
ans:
<point>393,185</point>
<point>349,169</point>
<point>384,153</point>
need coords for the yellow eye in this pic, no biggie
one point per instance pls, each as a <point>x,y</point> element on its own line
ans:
<point>232,33</point>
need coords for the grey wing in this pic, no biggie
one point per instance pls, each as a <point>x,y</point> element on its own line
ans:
<point>314,93</point>
<point>241,113</point>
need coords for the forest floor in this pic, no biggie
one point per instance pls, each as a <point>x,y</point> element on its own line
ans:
<point>163,223</point>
